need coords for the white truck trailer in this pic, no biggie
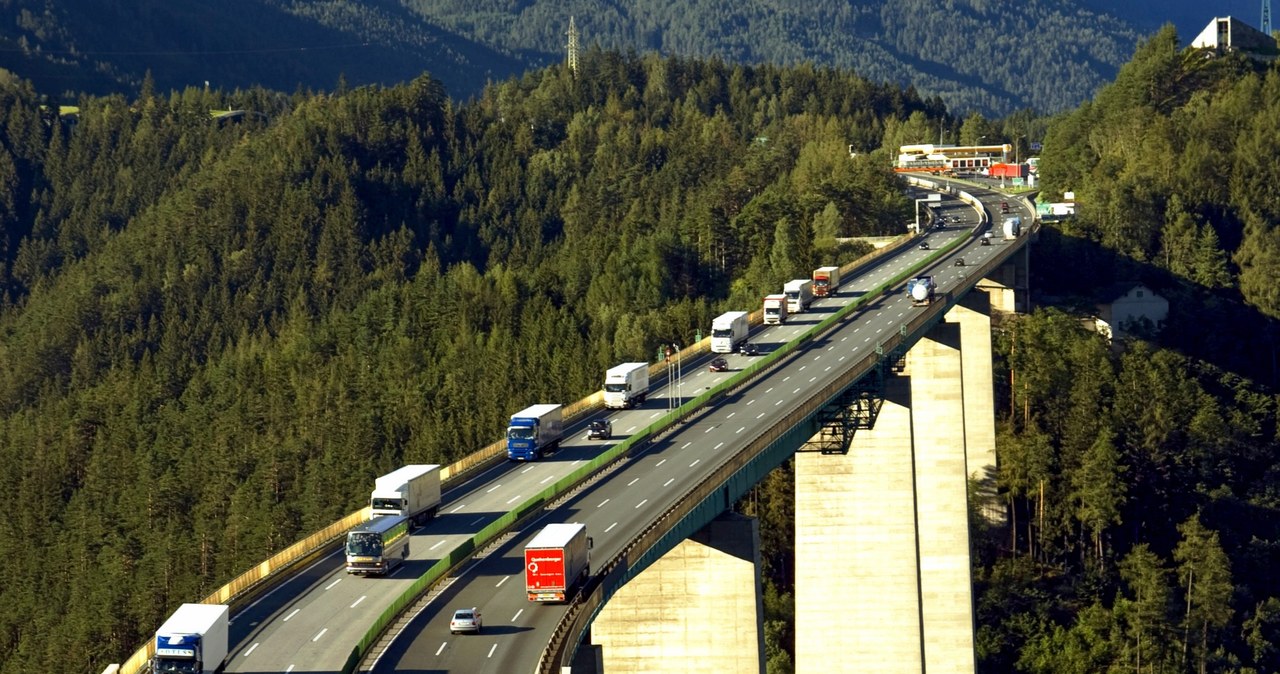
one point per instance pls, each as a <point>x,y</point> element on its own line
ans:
<point>799,294</point>
<point>626,385</point>
<point>775,309</point>
<point>193,640</point>
<point>727,330</point>
<point>412,492</point>
<point>535,430</point>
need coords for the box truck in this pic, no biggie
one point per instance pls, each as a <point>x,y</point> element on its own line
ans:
<point>533,431</point>
<point>826,280</point>
<point>412,491</point>
<point>799,294</point>
<point>775,309</point>
<point>727,330</point>
<point>626,385</point>
<point>556,562</point>
<point>193,640</point>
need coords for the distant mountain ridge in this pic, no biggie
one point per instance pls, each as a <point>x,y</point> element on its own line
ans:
<point>991,56</point>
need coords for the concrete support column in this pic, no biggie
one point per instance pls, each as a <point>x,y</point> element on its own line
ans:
<point>857,587</point>
<point>699,609</point>
<point>973,314</point>
<point>938,420</point>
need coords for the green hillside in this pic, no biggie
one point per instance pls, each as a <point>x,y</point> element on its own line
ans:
<point>215,333</point>
<point>989,56</point>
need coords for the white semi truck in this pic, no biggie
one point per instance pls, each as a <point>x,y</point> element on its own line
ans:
<point>412,492</point>
<point>727,330</point>
<point>193,640</point>
<point>626,385</point>
<point>775,309</point>
<point>799,294</point>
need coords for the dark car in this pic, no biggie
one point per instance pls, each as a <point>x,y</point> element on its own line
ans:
<point>600,429</point>
<point>924,245</point>
<point>749,349</point>
<point>719,364</point>
<point>959,262</point>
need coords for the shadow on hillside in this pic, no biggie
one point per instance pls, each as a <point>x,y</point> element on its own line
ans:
<point>1215,326</point>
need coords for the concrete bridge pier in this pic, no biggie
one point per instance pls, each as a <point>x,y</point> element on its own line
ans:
<point>882,534</point>
<point>698,609</point>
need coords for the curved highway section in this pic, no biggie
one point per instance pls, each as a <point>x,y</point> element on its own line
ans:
<point>620,505</point>
<point>310,622</point>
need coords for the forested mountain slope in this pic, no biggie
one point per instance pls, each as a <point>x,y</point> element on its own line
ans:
<point>1142,482</point>
<point>990,56</point>
<point>215,333</point>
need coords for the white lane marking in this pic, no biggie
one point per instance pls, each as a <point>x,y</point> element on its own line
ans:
<point>492,649</point>
<point>841,358</point>
<point>477,521</point>
<point>668,482</point>
<point>504,579</point>
<point>788,378</point>
<point>362,598</point>
<point>333,583</point>
<point>288,669</point>
<point>811,379</point>
<point>547,479</point>
<point>438,544</point>
<point>517,615</point>
<point>712,428</point>
<point>513,499</point>
<point>317,637</point>
<point>575,463</point>
<point>659,463</point>
<point>610,527</point>
<point>251,649</point>
<point>717,447</point>
<point>829,367</point>
<point>686,444</point>
<point>768,389</point>
<point>760,415</point>
<point>741,429</point>
<point>629,429</point>
<point>527,469</point>
<point>730,415</point>
<point>751,401</point>
<point>802,367</point>
<point>695,462</point>
<point>641,503</point>
<point>490,490</point>
<point>633,482</point>
<point>797,390</point>
<point>602,503</point>
<point>817,357</point>
<point>441,649</point>
<point>291,614</point>
<point>460,507</point>
<point>777,403</point>
<point>844,338</point>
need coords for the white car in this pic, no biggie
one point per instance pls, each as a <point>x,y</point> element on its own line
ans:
<point>465,620</point>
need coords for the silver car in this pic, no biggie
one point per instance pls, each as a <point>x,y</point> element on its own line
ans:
<point>465,620</point>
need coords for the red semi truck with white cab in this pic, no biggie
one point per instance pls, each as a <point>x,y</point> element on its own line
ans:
<point>556,562</point>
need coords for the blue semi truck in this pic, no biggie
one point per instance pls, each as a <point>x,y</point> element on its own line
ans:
<point>534,431</point>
